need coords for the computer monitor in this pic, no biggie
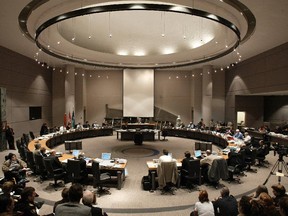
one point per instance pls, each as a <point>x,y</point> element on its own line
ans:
<point>71,145</point>
<point>198,153</point>
<point>203,146</point>
<point>106,156</point>
<point>75,153</point>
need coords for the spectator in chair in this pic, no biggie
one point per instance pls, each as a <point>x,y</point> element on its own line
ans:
<point>65,198</point>
<point>204,207</point>
<point>73,207</point>
<point>7,205</point>
<point>89,199</point>
<point>226,204</point>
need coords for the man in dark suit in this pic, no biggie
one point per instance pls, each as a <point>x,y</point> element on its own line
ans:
<point>73,207</point>
<point>226,204</point>
<point>10,137</point>
<point>56,164</point>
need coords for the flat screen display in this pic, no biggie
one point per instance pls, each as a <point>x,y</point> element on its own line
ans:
<point>106,156</point>
<point>197,153</point>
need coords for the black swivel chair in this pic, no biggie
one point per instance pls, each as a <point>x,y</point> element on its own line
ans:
<point>99,179</point>
<point>21,149</point>
<point>192,174</point>
<point>76,170</point>
<point>32,135</point>
<point>40,167</point>
<point>261,155</point>
<point>250,158</point>
<point>56,174</point>
<point>167,177</point>
<point>31,162</point>
<point>236,166</point>
<point>217,171</point>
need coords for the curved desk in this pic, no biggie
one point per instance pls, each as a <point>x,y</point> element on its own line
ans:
<point>198,135</point>
<point>53,141</point>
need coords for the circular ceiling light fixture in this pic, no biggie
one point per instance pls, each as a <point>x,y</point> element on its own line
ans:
<point>137,35</point>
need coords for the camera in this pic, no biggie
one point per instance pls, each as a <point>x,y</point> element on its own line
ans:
<point>280,149</point>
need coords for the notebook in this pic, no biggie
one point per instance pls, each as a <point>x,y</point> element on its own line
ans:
<point>198,153</point>
<point>75,153</point>
<point>106,156</point>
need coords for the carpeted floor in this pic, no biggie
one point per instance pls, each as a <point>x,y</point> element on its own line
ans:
<point>131,199</point>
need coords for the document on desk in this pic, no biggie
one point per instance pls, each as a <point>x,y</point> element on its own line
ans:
<point>106,163</point>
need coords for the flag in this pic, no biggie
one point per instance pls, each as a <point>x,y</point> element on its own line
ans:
<point>73,120</point>
<point>65,120</point>
<point>69,118</point>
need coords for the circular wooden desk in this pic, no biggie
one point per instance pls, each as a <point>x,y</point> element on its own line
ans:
<point>55,139</point>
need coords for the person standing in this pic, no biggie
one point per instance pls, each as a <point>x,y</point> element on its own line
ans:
<point>10,137</point>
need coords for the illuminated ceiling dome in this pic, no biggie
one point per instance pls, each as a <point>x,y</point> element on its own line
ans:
<point>142,34</point>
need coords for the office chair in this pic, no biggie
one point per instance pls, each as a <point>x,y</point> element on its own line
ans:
<point>99,179</point>
<point>217,171</point>
<point>32,135</point>
<point>164,134</point>
<point>138,138</point>
<point>76,170</point>
<point>31,162</point>
<point>56,174</point>
<point>26,138</point>
<point>21,149</point>
<point>192,174</point>
<point>40,167</point>
<point>261,155</point>
<point>167,177</point>
<point>236,166</point>
<point>250,158</point>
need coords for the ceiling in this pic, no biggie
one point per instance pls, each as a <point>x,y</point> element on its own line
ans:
<point>113,38</point>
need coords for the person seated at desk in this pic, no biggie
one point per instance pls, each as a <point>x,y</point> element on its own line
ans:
<point>185,166</point>
<point>247,138</point>
<point>86,125</point>
<point>42,152</point>
<point>56,164</point>
<point>166,157</point>
<point>238,134</point>
<point>206,163</point>
<point>44,129</point>
<point>37,149</point>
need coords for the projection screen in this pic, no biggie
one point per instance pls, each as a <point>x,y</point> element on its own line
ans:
<point>138,93</point>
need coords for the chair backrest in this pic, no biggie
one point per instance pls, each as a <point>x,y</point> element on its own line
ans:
<point>30,160</point>
<point>39,162</point>
<point>74,169</point>
<point>26,138</point>
<point>193,171</point>
<point>32,135</point>
<point>218,170</point>
<point>194,168</point>
<point>49,166</point>
<point>167,173</point>
<point>96,171</point>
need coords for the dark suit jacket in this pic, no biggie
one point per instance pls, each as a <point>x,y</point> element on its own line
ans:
<point>55,162</point>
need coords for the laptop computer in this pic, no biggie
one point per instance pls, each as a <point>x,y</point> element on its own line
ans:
<point>75,153</point>
<point>106,156</point>
<point>198,153</point>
